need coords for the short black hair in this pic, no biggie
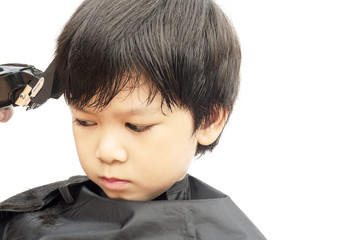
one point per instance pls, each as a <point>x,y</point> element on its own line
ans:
<point>186,49</point>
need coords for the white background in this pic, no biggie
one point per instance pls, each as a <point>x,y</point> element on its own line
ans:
<point>289,156</point>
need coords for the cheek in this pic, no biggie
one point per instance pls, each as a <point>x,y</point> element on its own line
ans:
<point>170,151</point>
<point>84,144</point>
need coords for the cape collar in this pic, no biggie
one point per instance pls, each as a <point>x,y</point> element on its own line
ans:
<point>188,188</point>
<point>37,198</point>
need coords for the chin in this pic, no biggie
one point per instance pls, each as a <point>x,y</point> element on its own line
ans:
<point>127,197</point>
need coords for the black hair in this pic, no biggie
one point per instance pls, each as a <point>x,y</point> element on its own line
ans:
<point>186,49</point>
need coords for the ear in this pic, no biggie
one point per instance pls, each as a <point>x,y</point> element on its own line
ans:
<point>208,133</point>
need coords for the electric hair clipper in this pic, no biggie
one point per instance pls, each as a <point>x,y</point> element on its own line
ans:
<point>24,85</point>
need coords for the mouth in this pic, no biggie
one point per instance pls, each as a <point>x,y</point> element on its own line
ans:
<point>114,183</point>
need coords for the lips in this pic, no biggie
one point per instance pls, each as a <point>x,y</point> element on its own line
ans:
<point>114,183</point>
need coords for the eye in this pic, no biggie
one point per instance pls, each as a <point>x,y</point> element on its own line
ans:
<point>135,128</point>
<point>83,123</point>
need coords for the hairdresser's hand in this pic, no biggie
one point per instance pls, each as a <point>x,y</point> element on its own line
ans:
<point>6,113</point>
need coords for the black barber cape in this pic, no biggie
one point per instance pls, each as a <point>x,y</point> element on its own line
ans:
<point>79,209</point>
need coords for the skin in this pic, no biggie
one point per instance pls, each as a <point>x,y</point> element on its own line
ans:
<point>148,145</point>
<point>5,114</point>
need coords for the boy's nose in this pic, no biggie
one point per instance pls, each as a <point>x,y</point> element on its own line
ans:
<point>111,149</point>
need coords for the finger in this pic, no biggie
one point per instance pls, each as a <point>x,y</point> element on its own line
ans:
<point>5,114</point>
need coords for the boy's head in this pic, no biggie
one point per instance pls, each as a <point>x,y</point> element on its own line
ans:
<point>178,58</point>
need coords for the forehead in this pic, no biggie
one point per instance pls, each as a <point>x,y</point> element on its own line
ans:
<point>135,100</point>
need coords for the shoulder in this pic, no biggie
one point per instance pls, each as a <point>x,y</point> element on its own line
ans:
<point>38,197</point>
<point>213,206</point>
<point>201,190</point>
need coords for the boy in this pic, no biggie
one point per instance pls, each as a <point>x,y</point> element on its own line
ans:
<point>150,84</point>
